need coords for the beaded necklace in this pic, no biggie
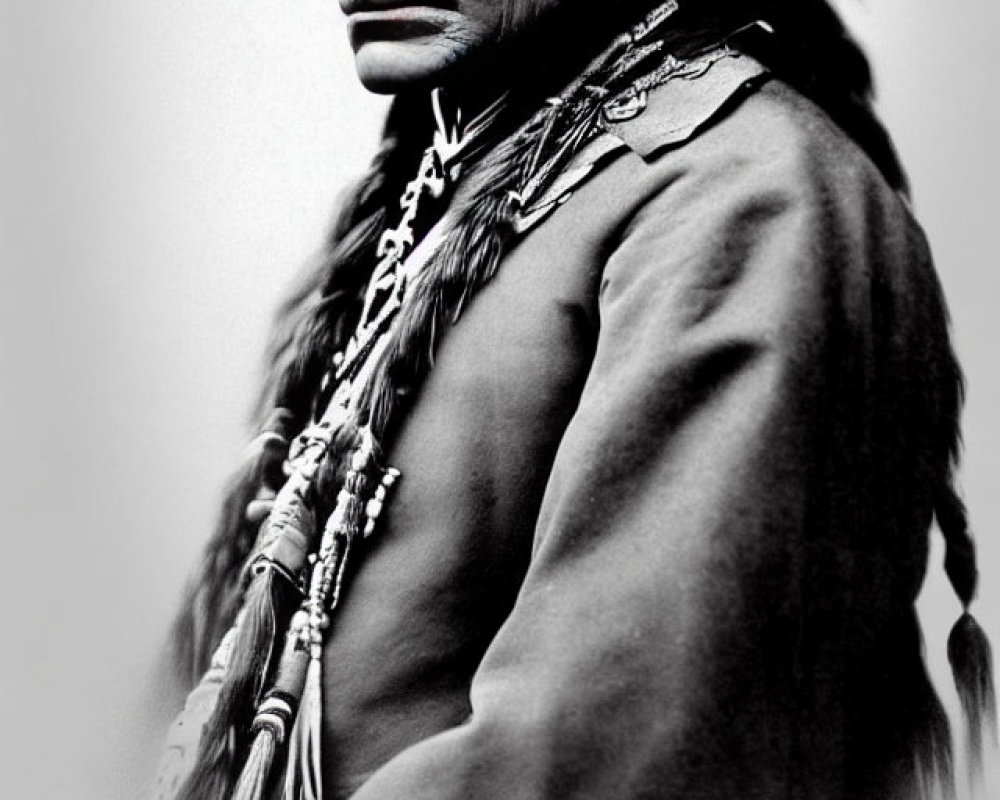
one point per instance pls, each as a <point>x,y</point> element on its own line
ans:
<point>292,706</point>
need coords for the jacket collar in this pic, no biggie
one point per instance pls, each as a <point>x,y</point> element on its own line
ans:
<point>659,111</point>
<point>685,98</point>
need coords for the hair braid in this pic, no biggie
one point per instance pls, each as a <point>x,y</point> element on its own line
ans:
<point>969,652</point>
<point>484,226</point>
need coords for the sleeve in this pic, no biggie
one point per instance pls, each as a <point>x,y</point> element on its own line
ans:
<point>677,631</point>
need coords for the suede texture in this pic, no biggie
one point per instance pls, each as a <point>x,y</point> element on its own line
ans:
<point>664,503</point>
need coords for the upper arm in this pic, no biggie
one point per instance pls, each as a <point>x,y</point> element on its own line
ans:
<point>682,625</point>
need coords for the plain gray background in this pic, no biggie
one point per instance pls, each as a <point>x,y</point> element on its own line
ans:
<point>164,167</point>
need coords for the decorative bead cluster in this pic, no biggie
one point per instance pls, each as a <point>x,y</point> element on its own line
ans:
<point>654,19</point>
<point>342,528</point>
<point>275,713</point>
<point>373,510</point>
<point>387,286</point>
<point>330,560</point>
<point>287,535</point>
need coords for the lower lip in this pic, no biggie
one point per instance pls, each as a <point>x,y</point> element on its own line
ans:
<point>409,22</point>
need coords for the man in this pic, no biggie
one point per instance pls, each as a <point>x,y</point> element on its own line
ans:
<point>600,454</point>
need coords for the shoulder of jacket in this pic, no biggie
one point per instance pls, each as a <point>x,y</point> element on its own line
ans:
<point>680,98</point>
<point>727,117</point>
<point>667,107</point>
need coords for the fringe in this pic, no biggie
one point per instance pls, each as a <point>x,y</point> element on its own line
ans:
<point>216,591</point>
<point>303,775</point>
<point>257,769</point>
<point>275,715</point>
<point>266,601</point>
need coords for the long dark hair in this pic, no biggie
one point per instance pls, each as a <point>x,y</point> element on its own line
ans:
<point>810,49</point>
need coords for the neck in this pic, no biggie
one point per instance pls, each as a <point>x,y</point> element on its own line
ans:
<point>534,61</point>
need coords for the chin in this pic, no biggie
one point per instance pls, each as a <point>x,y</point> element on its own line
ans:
<point>394,67</point>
